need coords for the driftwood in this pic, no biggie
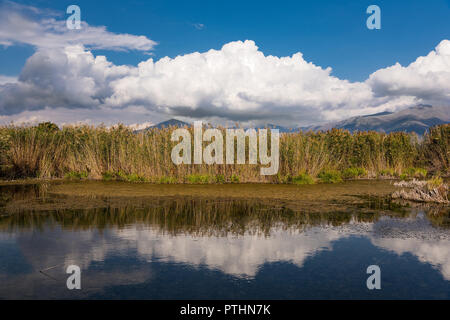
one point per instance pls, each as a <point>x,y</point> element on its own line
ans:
<point>421,191</point>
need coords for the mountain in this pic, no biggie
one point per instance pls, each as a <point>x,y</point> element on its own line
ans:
<point>274,126</point>
<point>415,119</point>
<point>180,124</point>
<point>169,123</point>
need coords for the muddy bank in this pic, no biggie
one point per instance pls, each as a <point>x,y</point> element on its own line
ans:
<point>97,194</point>
<point>341,191</point>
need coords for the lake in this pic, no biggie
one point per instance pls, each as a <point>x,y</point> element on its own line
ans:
<point>140,241</point>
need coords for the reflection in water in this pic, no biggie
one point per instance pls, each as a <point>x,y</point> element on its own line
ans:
<point>193,216</point>
<point>19,192</point>
<point>243,247</point>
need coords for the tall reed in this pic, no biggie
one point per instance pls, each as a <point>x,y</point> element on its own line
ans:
<point>45,151</point>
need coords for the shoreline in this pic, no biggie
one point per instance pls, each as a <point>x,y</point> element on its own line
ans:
<point>311,198</point>
<point>65,180</point>
<point>362,195</point>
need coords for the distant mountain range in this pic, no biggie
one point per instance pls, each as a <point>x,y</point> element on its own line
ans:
<point>415,119</point>
<point>180,124</point>
<point>280,128</point>
<point>170,123</point>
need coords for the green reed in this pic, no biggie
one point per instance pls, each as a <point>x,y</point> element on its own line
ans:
<point>118,153</point>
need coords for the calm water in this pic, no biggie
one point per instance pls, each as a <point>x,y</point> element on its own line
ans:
<point>183,248</point>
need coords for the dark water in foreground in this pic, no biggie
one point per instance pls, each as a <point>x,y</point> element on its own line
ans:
<point>214,249</point>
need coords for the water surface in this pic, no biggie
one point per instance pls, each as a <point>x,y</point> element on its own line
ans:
<point>188,247</point>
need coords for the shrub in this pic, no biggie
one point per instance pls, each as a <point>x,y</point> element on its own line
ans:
<point>421,173</point>
<point>5,169</point>
<point>234,178</point>
<point>167,180</point>
<point>48,127</point>
<point>220,178</point>
<point>353,173</point>
<point>198,178</point>
<point>108,175</point>
<point>303,178</point>
<point>135,178</point>
<point>73,175</point>
<point>330,176</point>
<point>417,173</point>
<point>435,182</point>
<point>435,149</point>
<point>4,141</point>
<point>387,173</point>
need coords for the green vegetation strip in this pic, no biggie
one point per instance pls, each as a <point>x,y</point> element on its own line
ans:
<point>84,152</point>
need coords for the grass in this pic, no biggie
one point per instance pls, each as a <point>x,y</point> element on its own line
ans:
<point>220,178</point>
<point>330,176</point>
<point>419,173</point>
<point>353,173</point>
<point>435,182</point>
<point>303,178</point>
<point>234,178</point>
<point>388,173</point>
<point>403,176</point>
<point>73,175</point>
<point>167,180</point>
<point>100,153</point>
<point>198,178</point>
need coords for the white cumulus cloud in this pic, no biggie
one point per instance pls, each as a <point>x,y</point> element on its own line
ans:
<point>238,82</point>
<point>40,28</point>
<point>235,83</point>
<point>427,78</point>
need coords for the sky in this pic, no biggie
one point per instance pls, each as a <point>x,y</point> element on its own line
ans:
<point>291,63</point>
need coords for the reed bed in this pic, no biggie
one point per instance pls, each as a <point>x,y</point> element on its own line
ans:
<point>87,152</point>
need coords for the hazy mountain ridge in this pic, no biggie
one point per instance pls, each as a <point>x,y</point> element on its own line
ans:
<point>415,119</point>
<point>168,123</point>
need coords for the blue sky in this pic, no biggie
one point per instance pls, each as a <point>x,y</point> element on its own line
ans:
<point>327,33</point>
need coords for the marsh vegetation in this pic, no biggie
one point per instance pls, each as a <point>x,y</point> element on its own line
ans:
<point>85,152</point>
